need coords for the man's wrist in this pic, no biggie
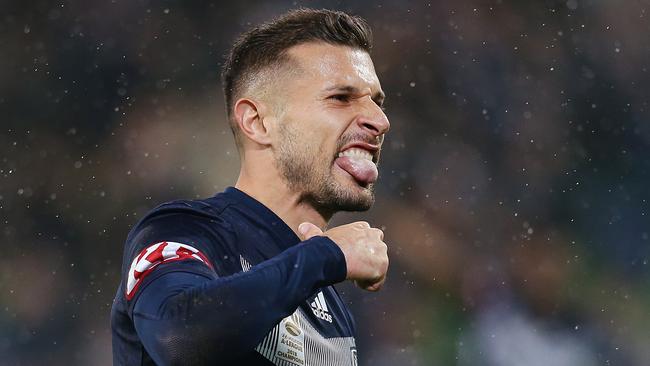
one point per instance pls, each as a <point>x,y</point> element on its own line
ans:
<point>333,260</point>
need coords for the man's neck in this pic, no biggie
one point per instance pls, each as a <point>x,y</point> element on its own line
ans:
<point>273,193</point>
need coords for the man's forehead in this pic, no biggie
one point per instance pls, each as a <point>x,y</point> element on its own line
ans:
<point>335,64</point>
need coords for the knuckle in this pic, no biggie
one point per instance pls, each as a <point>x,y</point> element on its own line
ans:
<point>380,247</point>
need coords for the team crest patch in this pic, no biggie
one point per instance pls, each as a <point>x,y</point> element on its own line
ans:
<point>291,343</point>
<point>155,255</point>
<point>285,344</point>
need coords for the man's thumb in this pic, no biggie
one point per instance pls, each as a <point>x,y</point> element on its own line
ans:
<point>308,230</point>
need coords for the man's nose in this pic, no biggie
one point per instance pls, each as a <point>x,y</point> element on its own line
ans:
<point>373,119</point>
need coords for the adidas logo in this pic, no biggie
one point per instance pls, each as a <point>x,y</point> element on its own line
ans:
<point>319,308</point>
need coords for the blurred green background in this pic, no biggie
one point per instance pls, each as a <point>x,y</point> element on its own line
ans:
<point>513,189</point>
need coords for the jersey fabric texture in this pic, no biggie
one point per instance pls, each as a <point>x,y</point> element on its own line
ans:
<point>225,281</point>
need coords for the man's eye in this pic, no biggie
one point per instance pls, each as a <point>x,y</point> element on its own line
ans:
<point>341,97</point>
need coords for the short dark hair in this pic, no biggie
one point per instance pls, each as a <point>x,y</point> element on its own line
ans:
<point>266,45</point>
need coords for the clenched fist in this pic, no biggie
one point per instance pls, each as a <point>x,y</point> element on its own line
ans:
<point>364,249</point>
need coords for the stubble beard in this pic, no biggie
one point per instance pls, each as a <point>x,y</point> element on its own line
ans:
<point>310,173</point>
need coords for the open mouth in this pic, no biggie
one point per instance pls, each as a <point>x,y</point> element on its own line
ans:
<point>357,153</point>
<point>361,149</point>
<point>360,162</point>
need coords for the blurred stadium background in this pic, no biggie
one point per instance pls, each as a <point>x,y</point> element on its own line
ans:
<point>513,190</point>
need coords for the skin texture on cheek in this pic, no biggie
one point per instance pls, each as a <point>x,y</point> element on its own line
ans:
<point>307,166</point>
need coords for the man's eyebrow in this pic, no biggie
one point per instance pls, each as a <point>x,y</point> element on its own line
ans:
<point>378,96</point>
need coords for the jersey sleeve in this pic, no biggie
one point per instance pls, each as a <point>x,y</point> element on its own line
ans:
<point>168,242</point>
<point>184,313</point>
<point>186,319</point>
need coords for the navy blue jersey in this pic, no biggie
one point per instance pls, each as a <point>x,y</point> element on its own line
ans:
<point>225,281</point>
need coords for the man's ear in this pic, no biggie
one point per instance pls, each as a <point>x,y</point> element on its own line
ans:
<point>249,115</point>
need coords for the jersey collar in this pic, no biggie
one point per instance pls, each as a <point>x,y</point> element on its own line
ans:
<point>269,219</point>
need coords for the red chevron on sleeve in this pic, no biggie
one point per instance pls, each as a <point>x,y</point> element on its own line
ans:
<point>155,255</point>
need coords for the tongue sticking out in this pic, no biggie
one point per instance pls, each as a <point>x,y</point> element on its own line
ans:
<point>363,170</point>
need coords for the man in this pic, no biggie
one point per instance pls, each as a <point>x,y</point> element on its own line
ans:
<point>245,277</point>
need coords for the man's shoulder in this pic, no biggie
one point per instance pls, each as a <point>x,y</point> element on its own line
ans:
<point>211,206</point>
<point>178,230</point>
<point>184,221</point>
<point>183,209</point>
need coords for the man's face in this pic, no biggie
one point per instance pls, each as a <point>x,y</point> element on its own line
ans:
<point>330,127</point>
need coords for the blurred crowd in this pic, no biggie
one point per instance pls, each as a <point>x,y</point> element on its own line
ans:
<point>513,183</point>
